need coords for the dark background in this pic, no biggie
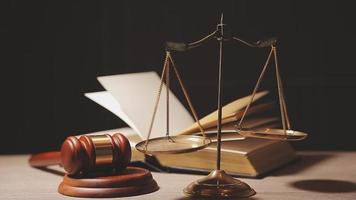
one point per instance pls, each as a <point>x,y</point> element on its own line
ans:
<point>52,52</point>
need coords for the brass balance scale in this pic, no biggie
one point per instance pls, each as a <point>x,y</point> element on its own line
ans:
<point>217,184</point>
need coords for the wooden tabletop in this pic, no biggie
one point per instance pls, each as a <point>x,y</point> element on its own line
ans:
<point>316,175</point>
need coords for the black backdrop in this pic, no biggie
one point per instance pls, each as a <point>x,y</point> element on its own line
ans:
<point>52,52</point>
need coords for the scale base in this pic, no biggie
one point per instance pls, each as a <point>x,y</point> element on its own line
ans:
<point>218,184</point>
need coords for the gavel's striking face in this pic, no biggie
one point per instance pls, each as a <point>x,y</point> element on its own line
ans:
<point>94,152</point>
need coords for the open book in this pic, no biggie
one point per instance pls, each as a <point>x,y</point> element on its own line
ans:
<point>132,97</point>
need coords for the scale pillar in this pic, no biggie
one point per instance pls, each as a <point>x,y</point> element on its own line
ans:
<point>218,184</point>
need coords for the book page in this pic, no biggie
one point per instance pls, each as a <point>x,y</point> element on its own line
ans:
<point>227,111</point>
<point>106,100</point>
<point>136,93</point>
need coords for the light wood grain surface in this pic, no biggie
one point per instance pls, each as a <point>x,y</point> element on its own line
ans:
<point>316,175</point>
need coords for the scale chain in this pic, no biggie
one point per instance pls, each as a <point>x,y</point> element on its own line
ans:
<point>284,115</point>
<point>256,87</point>
<point>167,100</point>
<point>186,95</point>
<point>165,76</point>
<point>157,101</point>
<point>279,94</point>
<point>282,103</point>
<point>279,79</point>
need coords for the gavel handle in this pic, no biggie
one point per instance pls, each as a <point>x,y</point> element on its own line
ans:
<point>45,159</point>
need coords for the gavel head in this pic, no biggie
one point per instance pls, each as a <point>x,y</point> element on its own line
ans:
<point>95,152</point>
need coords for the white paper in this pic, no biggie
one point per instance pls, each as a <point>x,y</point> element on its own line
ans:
<point>136,95</point>
<point>106,100</point>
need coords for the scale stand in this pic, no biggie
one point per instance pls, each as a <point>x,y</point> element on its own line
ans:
<point>218,184</point>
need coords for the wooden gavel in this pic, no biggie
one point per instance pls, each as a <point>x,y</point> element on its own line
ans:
<point>88,153</point>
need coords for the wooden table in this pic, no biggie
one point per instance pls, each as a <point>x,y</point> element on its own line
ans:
<point>316,175</point>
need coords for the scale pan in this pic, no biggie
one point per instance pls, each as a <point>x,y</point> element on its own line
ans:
<point>273,134</point>
<point>173,144</point>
